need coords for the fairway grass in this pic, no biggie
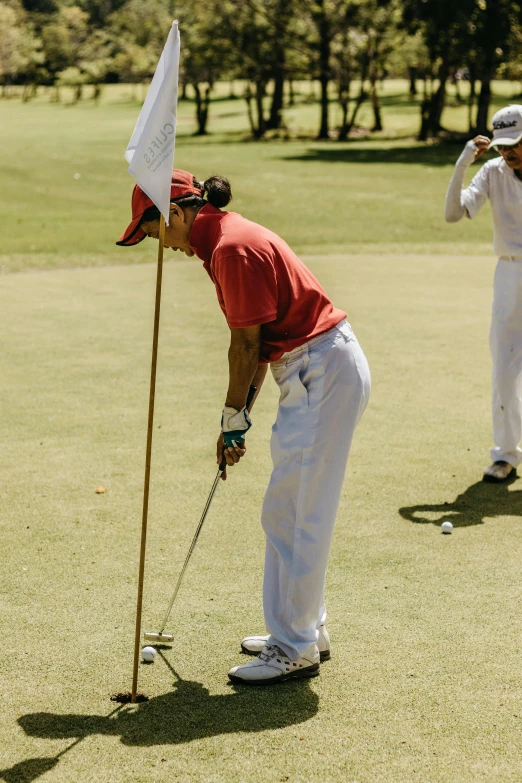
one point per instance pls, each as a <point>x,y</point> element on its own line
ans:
<point>65,190</point>
<point>424,681</point>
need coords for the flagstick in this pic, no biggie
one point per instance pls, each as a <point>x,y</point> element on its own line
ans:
<point>137,637</point>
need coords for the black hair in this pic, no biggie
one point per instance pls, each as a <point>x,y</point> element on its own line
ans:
<point>216,189</point>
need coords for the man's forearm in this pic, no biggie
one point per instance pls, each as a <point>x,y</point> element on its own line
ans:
<point>243,363</point>
<point>454,209</point>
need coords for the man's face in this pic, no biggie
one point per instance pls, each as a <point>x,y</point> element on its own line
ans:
<point>177,233</point>
<point>512,155</point>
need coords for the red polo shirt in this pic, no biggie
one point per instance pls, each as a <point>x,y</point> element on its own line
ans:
<point>260,280</point>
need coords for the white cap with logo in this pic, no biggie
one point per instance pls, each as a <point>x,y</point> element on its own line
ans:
<point>507,126</point>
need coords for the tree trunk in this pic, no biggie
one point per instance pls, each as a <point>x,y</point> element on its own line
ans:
<point>183,95</point>
<point>377,118</point>
<point>248,99</point>
<point>358,103</point>
<point>439,102</point>
<point>261,124</point>
<point>97,93</point>
<point>202,107</point>
<point>432,108</point>
<point>457,90</point>
<point>471,100</point>
<point>362,93</point>
<point>484,100</point>
<point>425,114</point>
<point>276,108</point>
<point>344,101</point>
<point>323,28</point>
<point>412,71</point>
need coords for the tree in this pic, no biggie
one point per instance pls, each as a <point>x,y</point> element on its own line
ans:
<point>133,62</point>
<point>62,41</point>
<point>97,60</point>
<point>446,29</point>
<point>379,20</point>
<point>322,15</point>
<point>206,51</point>
<point>492,25</point>
<point>9,41</point>
<point>409,58</point>
<point>20,49</point>
<point>251,58</point>
<point>274,20</point>
<point>145,24</point>
<point>135,37</point>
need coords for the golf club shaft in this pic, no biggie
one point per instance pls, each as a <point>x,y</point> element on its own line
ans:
<point>222,467</point>
<point>191,549</point>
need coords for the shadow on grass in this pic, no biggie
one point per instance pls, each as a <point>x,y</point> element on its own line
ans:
<point>479,501</point>
<point>188,713</point>
<point>430,155</point>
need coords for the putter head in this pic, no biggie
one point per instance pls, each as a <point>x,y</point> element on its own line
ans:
<point>159,638</point>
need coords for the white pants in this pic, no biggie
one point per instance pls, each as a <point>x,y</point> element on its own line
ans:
<point>506,351</point>
<point>325,385</point>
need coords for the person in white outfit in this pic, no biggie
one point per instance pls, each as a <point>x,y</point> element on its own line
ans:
<point>279,316</point>
<point>500,180</point>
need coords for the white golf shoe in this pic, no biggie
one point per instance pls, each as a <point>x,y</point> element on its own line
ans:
<point>272,665</point>
<point>498,472</point>
<point>252,645</point>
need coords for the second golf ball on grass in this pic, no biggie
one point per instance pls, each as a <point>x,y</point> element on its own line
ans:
<point>446,527</point>
<point>148,654</point>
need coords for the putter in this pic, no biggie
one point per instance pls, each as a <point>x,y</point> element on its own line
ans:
<point>162,637</point>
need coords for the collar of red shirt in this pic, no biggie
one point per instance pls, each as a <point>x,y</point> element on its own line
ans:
<point>205,232</point>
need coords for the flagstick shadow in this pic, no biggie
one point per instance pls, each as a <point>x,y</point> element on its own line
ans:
<point>477,503</point>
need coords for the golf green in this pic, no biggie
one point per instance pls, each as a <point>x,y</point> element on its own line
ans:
<point>423,683</point>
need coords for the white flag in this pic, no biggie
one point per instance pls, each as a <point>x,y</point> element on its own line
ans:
<point>150,151</point>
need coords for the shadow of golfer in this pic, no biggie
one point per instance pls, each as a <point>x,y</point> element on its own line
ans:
<point>471,507</point>
<point>187,713</point>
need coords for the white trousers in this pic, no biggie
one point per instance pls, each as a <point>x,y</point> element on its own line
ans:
<point>324,385</point>
<point>506,352</point>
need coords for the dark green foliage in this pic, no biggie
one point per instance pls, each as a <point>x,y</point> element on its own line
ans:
<point>267,44</point>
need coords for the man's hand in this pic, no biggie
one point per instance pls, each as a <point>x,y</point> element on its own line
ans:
<point>231,455</point>
<point>482,143</point>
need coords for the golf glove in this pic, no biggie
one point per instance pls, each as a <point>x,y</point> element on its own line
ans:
<point>234,425</point>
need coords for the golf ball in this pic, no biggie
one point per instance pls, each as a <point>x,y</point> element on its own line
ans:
<point>148,654</point>
<point>446,527</point>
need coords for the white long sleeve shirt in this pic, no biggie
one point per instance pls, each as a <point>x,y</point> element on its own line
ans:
<point>496,181</point>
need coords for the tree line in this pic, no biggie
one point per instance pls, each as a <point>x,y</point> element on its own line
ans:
<point>346,47</point>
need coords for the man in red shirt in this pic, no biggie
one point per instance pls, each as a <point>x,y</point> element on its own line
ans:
<point>278,314</point>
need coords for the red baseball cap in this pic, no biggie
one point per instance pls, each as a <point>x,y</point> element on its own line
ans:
<point>183,184</point>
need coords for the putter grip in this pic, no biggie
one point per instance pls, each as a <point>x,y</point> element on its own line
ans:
<point>250,396</point>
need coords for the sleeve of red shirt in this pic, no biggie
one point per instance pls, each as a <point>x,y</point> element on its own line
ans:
<point>249,289</point>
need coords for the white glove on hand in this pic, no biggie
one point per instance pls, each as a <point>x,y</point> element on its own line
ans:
<point>234,425</point>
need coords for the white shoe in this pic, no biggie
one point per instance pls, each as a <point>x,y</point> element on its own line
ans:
<point>272,665</point>
<point>498,472</point>
<point>253,645</point>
